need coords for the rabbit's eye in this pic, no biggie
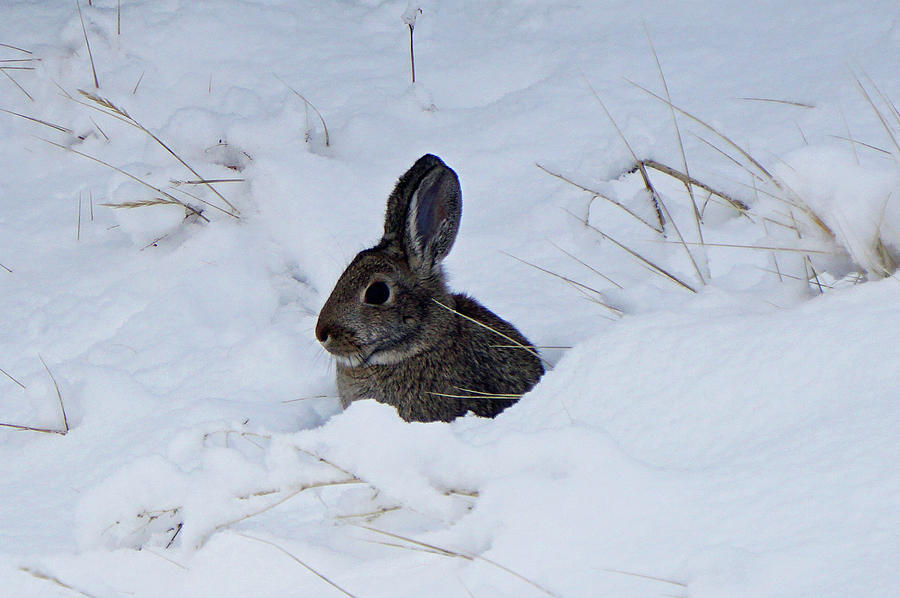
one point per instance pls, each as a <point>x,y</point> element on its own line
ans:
<point>377,293</point>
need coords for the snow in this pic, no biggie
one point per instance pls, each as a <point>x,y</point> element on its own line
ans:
<point>736,441</point>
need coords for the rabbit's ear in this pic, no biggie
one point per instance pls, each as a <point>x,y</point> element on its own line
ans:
<point>424,212</point>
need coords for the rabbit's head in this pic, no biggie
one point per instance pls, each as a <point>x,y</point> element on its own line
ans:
<point>384,307</point>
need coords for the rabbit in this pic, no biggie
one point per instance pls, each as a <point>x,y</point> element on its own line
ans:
<point>396,332</point>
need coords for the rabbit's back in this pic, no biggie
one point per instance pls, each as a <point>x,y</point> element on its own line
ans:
<point>469,360</point>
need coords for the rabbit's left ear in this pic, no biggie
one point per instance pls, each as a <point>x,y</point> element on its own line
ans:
<point>432,217</point>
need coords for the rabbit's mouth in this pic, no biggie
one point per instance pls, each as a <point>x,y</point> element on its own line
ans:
<point>364,357</point>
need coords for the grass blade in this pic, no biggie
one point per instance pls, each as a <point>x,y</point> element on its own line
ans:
<point>618,312</point>
<point>497,332</point>
<point>298,561</point>
<point>88,44</point>
<point>316,110</point>
<point>601,196</point>
<point>636,255</point>
<point>654,196</point>
<point>62,408</point>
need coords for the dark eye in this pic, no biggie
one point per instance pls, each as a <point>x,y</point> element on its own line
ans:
<point>377,293</point>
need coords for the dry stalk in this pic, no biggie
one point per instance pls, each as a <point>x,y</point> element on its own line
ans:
<point>774,101</point>
<point>31,429</point>
<point>16,83</point>
<point>715,131</point>
<point>681,240</point>
<point>588,266</point>
<point>574,283</point>
<point>497,332</point>
<point>143,203</point>
<point>760,247</point>
<point>62,408</point>
<point>652,577</point>
<point>16,48</point>
<point>110,109</point>
<point>855,142</point>
<point>433,549</point>
<point>309,398</point>
<point>371,515</point>
<point>774,256</point>
<point>878,113</point>
<point>684,163</point>
<point>138,84</point>
<point>40,122</point>
<point>603,197</point>
<point>282,500</point>
<point>298,561</point>
<point>47,577</point>
<point>689,180</point>
<point>653,267</point>
<point>96,126</point>
<point>88,44</point>
<point>206,181</point>
<point>501,397</point>
<point>170,198</point>
<point>654,196</point>
<point>309,104</point>
<point>5,373</point>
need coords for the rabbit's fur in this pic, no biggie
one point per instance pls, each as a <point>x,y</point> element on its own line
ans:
<point>389,325</point>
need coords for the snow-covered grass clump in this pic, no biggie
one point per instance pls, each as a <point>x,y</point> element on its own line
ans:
<point>719,262</point>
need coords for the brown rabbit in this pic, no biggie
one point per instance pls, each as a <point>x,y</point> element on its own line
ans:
<point>399,336</point>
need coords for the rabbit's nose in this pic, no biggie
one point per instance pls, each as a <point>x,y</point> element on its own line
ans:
<point>323,332</point>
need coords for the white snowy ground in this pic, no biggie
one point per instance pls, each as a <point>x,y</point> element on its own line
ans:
<point>737,441</point>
